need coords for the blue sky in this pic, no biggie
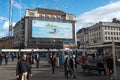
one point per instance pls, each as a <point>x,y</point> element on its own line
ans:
<point>87,12</point>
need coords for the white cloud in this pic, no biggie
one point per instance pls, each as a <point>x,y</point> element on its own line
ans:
<point>105,13</point>
<point>6,25</point>
<point>3,34</point>
<point>3,18</point>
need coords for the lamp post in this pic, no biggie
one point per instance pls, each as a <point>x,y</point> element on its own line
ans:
<point>114,61</point>
<point>54,43</point>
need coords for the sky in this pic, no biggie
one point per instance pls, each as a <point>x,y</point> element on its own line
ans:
<point>87,12</point>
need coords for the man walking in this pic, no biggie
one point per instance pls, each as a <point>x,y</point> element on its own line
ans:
<point>66,67</point>
<point>1,58</point>
<point>37,59</point>
<point>53,62</point>
<point>6,58</point>
<point>72,66</point>
<point>23,69</point>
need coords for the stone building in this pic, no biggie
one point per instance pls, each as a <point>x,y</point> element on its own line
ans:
<point>44,29</point>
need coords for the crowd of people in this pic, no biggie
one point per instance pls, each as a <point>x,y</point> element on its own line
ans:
<point>71,62</point>
<point>69,66</point>
<point>5,56</point>
<point>102,63</point>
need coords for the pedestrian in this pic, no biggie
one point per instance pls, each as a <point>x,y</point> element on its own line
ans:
<point>101,67</point>
<point>83,59</point>
<point>31,59</point>
<point>93,55</point>
<point>53,62</point>
<point>12,57</point>
<point>72,66</point>
<point>18,56</point>
<point>109,63</point>
<point>66,67</point>
<point>37,59</point>
<point>6,58</point>
<point>1,58</point>
<point>23,69</point>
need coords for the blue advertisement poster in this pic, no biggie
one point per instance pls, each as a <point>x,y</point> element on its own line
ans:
<point>68,44</point>
<point>49,29</point>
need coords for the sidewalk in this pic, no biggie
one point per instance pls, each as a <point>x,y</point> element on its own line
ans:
<point>44,72</point>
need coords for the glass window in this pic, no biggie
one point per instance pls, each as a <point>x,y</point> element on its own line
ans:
<point>111,38</point>
<point>105,32</point>
<point>117,33</point>
<point>117,38</point>
<point>108,33</point>
<point>106,38</point>
<point>114,33</point>
<point>111,33</point>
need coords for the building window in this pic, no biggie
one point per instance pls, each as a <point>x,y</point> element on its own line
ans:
<point>108,38</point>
<point>105,38</point>
<point>99,33</point>
<point>117,33</point>
<point>105,32</point>
<point>117,38</point>
<point>105,28</point>
<point>108,33</point>
<point>114,33</point>
<point>111,33</point>
<point>111,38</point>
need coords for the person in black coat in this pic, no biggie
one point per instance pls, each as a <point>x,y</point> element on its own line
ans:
<point>72,66</point>
<point>1,58</point>
<point>23,69</point>
<point>37,59</point>
<point>101,67</point>
<point>66,67</point>
<point>31,59</point>
<point>109,63</point>
<point>6,55</point>
<point>53,62</point>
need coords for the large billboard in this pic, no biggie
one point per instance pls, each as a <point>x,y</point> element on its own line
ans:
<point>49,29</point>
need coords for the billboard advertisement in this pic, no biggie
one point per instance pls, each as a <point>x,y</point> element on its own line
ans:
<point>68,44</point>
<point>49,29</point>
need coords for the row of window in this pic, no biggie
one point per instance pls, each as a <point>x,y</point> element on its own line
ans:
<point>112,38</point>
<point>95,34</point>
<point>45,15</point>
<point>111,33</point>
<point>112,28</point>
<point>94,29</point>
<point>50,16</point>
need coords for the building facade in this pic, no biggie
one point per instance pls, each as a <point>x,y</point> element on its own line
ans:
<point>101,36</point>
<point>6,42</point>
<point>44,29</point>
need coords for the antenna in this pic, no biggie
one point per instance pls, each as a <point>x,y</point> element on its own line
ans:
<point>10,23</point>
<point>10,18</point>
